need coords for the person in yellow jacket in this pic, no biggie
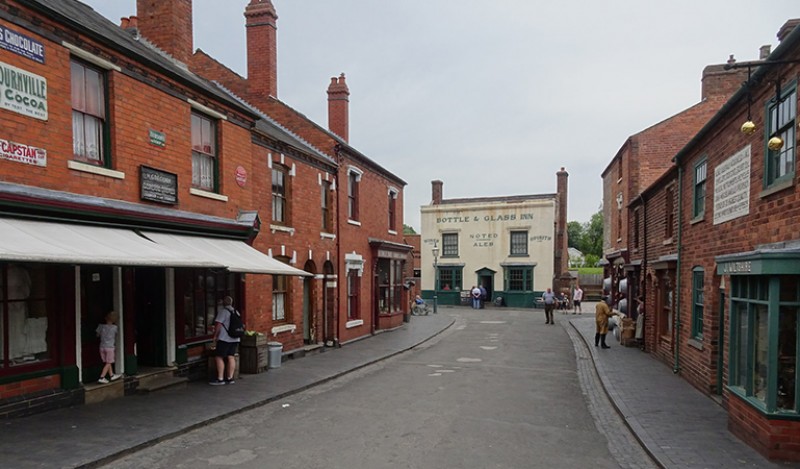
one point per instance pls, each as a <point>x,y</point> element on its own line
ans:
<point>602,313</point>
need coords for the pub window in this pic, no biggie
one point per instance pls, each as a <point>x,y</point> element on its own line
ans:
<point>326,206</point>
<point>519,279</point>
<point>449,278</point>
<point>89,124</point>
<point>782,115</point>
<point>450,245</point>
<point>698,283</point>
<point>763,358</point>
<point>204,152</point>
<point>519,243</point>
<point>280,199</point>
<point>699,199</point>
<point>27,294</point>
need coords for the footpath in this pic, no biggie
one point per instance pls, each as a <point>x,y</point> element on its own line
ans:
<point>677,425</point>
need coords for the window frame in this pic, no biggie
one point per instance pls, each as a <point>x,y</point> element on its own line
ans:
<point>200,299</point>
<point>698,302</point>
<point>104,160</point>
<point>518,279</point>
<point>669,212</point>
<point>353,299</point>
<point>392,210</point>
<point>325,203</point>
<point>699,189</point>
<point>449,275</point>
<point>449,245</point>
<point>212,154</point>
<point>512,244</point>
<point>353,183</point>
<point>281,197</point>
<point>788,132</point>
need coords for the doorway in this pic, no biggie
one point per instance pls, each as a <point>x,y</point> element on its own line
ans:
<point>486,280</point>
<point>97,300</point>
<point>150,317</point>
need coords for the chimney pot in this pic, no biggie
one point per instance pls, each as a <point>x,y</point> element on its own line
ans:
<point>124,22</point>
<point>764,52</point>
<point>787,28</point>
<point>436,190</point>
<point>731,60</point>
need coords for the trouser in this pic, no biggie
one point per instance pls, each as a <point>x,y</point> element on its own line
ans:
<point>548,313</point>
<point>600,339</point>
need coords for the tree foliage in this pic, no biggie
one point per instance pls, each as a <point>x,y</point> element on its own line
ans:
<point>408,229</point>
<point>587,237</point>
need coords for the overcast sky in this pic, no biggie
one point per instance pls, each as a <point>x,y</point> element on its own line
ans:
<point>493,97</point>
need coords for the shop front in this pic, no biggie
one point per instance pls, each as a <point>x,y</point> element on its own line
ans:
<point>391,295</point>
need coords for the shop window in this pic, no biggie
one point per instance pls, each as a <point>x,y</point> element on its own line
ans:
<point>780,164</point>
<point>89,124</point>
<point>280,199</point>
<point>519,279</point>
<point>353,287</point>
<point>390,285</point>
<point>764,352</point>
<point>449,278</point>
<point>519,243</point>
<point>26,296</point>
<point>450,245</point>
<point>204,152</point>
<point>201,292</point>
<point>326,207</point>
<point>697,302</point>
<point>699,199</point>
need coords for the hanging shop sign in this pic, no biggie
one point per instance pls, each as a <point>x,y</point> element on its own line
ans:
<point>241,176</point>
<point>21,44</point>
<point>732,187</point>
<point>23,92</point>
<point>157,138</point>
<point>158,186</point>
<point>22,153</point>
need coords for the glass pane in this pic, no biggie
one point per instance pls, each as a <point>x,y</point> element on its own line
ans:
<point>78,134</point>
<point>787,357</point>
<point>789,287</point>
<point>94,94</point>
<point>94,138</point>
<point>78,90</point>
<point>761,349</point>
<point>202,171</point>
<point>741,342</point>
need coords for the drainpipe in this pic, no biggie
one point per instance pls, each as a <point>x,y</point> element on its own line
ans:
<point>721,339</point>
<point>643,293</point>
<point>339,274</point>
<point>677,367</point>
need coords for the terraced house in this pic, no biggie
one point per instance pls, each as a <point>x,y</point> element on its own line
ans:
<point>133,178</point>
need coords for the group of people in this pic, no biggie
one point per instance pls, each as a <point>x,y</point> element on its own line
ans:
<point>603,312</point>
<point>552,301</point>
<point>478,294</point>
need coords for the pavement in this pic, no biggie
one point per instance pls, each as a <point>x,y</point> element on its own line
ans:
<point>677,426</point>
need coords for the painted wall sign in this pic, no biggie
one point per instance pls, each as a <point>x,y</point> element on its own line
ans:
<point>241,176</point>
<point>157,138</point>
<point>741,267</point>
<point>732,187</point>
<point>484,218</point>
<point>22,153</point>
<point>23,92</point>
<point>158,186</point>
<point>21,44</point>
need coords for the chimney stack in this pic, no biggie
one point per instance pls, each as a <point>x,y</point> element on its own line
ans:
<point>168,25</point>
<point>561,264</point>
<point>718,82</point>
<point>787,28</point>
<point>338,107</point>
<point>764,51</point>
<point>436,189</point>
<point>262,49</point>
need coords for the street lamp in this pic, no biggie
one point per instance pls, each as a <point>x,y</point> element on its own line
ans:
<point>435,251</point>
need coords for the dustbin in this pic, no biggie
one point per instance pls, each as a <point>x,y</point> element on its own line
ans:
<point>275,354</point>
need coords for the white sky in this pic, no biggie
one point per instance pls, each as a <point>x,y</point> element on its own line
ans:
<point>493,97</point>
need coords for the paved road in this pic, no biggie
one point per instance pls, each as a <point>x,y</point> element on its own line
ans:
<point>498,389</point>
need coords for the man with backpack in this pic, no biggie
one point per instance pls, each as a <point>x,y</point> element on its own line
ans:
<point>228,331</point>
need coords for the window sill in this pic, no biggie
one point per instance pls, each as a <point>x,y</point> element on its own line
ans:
<point>281,228</point>
<point>354,323</point>
<point>667,241</point>
<point>90,168</point>
<point>324,235</point>
<point>284,328</point>
<point>698,219</point>
<point>519,255</point>
<point>208,195</point>
<point>776,187</point>
<point>392,232</point>
<point>695,343</point>
<point>354,222</point>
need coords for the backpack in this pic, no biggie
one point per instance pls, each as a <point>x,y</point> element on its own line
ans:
<point>235,327</point>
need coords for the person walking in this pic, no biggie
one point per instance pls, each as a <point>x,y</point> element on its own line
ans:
<point>549,300</point>
<point>483,295</point>
<point>108,347</point>
<point>577,297</point>
<point>602,313</point>
<point>476,297</point>
<point>224,345</point>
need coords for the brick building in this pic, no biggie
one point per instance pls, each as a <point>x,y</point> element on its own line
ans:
<point>130,181</point>
<point>718,245</point>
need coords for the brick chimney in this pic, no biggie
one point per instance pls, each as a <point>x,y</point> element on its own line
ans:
<point>764,51</point>
<point>436,189</point>
<point>168,25</point>
<point>561,254</point>
<point>718,82</point>
<point>262,48</point>
<point>787,28</point>
<point>338,107</point>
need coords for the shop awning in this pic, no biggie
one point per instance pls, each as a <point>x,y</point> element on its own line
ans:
<point>62,243</point>
<point>237,256</point>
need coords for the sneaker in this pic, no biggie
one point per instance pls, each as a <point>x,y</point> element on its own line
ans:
<point>230,381</point>
<point>102,380</point>
<point>115,377</point>
<point>217,382</point>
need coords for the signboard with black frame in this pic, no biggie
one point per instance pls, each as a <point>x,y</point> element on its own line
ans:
<point>158,186</point>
